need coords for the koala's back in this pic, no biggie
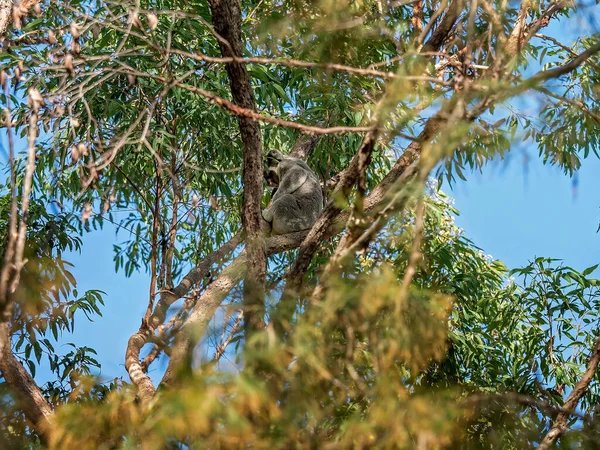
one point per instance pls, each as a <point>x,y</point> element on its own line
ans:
<point>309,198</point>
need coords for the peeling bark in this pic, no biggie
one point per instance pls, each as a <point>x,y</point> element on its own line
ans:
<point>5,14</point>
<point>134,368</point>
<point>6,11</point>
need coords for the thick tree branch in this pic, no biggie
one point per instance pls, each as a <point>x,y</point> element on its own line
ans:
<point>441,33</point>
<point>303,146</point>
<point>227,20</point>
<point>516,38</point>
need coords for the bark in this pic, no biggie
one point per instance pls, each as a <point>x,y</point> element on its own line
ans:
<point>135,343</point>
<point>303,146</point>
<point>441,33</point>
<point>5,14</point>
<point>417,17</point>
<point>27,393</point>
<point>227,17</point>
<point>559,427</point>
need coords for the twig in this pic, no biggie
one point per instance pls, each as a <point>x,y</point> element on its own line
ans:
<point>9,250</point>
<point>578,104</point>
<point>221,348</point>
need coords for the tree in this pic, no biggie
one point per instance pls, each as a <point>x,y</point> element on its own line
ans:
<point>351,330</point>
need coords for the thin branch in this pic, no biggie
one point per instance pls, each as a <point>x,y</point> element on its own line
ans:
<point>173,229</point>
<point>9,249</point>
<point>223,346</point>
<point>564,47</point>
<point>289,62</point>
<point>559,427</point>
<point>565,68</point>
<point>245,112</point>
<point>154,248</point>
<point>36,101</point>
<point>542,405</point>
<point>133,185</point>
<point>167,298</point>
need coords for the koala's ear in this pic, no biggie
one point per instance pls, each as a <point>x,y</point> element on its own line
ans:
<point>275,155</point>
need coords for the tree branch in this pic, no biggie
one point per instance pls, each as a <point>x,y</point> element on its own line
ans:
<point>27,393</point>
<point>167,298</point>
<point>440,34</point>
<point>227,20</point>
<point>559,427</point>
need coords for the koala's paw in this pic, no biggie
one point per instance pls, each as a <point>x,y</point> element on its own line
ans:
<point>265,228</point>
<point>267,215</point>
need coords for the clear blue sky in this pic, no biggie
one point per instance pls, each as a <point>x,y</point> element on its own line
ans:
<point>513,211</point>
<point>517,212</point>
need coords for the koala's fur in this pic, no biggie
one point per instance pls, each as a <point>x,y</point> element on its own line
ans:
<point>298,200</point>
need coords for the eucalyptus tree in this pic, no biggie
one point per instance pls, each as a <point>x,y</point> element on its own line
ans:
<point>156,116</point>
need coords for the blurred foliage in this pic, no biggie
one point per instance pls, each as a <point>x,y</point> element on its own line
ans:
<point>474,356</point>
<point>367,367</point>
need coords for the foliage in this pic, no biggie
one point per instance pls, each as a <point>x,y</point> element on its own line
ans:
<point>413,339</point>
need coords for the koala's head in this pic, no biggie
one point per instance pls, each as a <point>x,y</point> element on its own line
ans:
<point>271,172</point>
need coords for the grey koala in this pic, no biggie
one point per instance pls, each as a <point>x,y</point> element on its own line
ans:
<point>298,200</point>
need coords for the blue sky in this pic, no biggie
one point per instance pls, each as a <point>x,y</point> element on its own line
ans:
<point>514,211</point>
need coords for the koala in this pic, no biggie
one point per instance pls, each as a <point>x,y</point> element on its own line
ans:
<point>298,200</point>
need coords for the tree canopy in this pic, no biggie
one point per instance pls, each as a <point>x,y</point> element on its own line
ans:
<point>383,325</point>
